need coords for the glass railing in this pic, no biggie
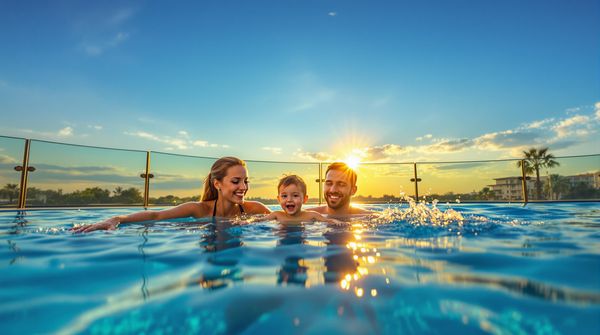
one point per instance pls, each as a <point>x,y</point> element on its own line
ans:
<point>471,181</point>
<point>568,178</point>
<point>73,175</point>
<point>11,160</point>
<point>37,173</point>
<point>382,183</point>
<point>177,178</point>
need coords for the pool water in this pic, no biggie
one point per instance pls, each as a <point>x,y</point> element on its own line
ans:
<point>460,268</point>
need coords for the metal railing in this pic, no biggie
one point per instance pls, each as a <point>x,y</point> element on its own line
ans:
<point>47,168</point>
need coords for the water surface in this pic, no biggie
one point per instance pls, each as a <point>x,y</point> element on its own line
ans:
<point>468,268</point>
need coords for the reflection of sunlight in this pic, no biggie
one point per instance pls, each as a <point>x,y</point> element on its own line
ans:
<point>364,254</point>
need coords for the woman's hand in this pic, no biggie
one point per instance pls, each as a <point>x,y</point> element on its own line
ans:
<point>110,224</point>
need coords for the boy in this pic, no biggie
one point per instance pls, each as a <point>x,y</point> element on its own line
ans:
<point>291,195</point>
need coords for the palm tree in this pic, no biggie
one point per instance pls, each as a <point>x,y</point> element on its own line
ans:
<point>556,186</point>
<point>534,160</point>
<point>486,194</point>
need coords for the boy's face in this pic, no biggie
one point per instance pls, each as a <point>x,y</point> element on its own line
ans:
<point>291,199</point>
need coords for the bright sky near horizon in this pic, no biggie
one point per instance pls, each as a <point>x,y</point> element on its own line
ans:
<point>305,80</point>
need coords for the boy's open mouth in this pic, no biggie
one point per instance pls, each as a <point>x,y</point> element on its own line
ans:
<point>290,207</point>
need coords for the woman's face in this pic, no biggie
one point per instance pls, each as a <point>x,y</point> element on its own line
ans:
<point>234,185</point>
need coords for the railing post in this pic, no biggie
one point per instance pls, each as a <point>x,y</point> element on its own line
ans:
<point>416,180</point>
<point>24,174</point>
<point>524,182</point>
<point>320,183</point>
<point>147,177</point>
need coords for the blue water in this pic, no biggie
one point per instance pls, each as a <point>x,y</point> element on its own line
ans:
<point>501,269</point>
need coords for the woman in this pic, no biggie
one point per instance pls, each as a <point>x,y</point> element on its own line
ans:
<point>224,191</point>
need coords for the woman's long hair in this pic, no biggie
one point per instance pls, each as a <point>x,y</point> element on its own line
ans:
<point>217,172</point>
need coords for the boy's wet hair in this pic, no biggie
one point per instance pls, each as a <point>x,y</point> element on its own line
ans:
<point>292,180</point>
<point>343,167</point>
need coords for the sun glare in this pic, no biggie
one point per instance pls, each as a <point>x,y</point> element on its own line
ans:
<point>352,161</point>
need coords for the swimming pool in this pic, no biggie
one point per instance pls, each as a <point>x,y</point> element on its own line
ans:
<point>468,268</point>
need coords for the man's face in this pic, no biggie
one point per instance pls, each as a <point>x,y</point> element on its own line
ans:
<point>338,189</point>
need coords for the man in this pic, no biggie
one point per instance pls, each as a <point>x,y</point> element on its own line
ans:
<point>340,186</point>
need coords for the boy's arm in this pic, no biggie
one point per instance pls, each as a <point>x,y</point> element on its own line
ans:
<point>271,216</point>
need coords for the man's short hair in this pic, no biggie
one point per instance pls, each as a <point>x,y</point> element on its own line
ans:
<point>343,167</point>
<point>292,180</point>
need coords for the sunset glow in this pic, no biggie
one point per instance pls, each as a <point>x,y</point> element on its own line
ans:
<point>352,161</point>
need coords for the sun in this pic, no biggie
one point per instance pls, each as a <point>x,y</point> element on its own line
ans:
<point>352,161</point>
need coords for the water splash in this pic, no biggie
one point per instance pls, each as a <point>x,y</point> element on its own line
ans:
<point>422,213</point>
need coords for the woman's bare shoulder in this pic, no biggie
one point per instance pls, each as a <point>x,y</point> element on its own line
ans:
<point>198,208</point>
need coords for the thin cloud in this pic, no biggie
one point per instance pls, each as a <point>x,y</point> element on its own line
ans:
<point>307,93</point>
<point>424,137</point>
<point>106,32</point>
<point>98,48</point>
<point>273,150</point>
<point>60,134</point>
<point>65,132</point>
<point>507,139</point>
<point>95,127</point>
<point>180,142</point>
<point>121,16</point>
<point>49,173</point>
<point>386,151</point>
<point>5,159</point>
<point>332,13</point>
<point>577,124</point>
<point>314,100</point>
<point>538,124</point>
<point>449,145</point>
<point>313,156</point>
<point>381,102</point>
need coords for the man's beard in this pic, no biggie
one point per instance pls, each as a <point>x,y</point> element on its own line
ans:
<point>343,200</point>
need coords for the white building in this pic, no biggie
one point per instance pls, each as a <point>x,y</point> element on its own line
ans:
<point>510,188</point>
<point>590,178</point>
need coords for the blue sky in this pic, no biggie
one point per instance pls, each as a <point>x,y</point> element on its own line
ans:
<point>305,80</point>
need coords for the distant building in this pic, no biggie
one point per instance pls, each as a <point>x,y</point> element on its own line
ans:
<point>510,188</point>
<point>592,179</point>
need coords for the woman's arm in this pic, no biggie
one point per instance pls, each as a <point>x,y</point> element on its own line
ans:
<point>183,210</point>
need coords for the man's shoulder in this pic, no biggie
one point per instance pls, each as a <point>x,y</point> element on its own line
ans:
<point>318,209</point>
<point>255,207</point>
